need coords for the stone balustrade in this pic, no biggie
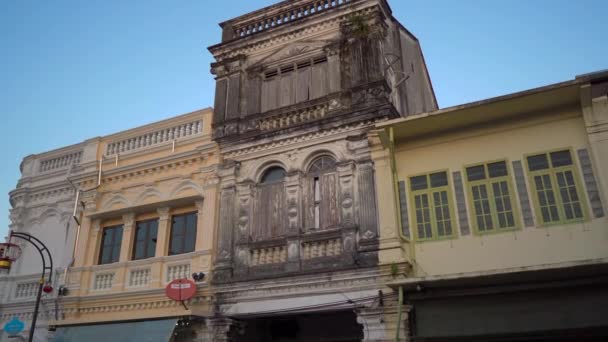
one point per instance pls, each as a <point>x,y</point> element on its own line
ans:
<point>178,271</point>
<point>60,162</point>
<point>139,277</point>
<point>155,138</point>
<point>322,248</point>
<point>103,281</point>
<point>286,15</point>
<point>268,255</point>
<point>26,290</point>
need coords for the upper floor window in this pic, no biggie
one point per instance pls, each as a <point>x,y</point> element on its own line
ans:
<point>490,196</point>
<point>110,245</point>
<point>295,82</point>
<point>269,220</point>
<point>322,194</point>
<point>274,174</point>
<point>183,233</point>
<point>432,206</point>
<point>555,182</point>
<point>145,239</point>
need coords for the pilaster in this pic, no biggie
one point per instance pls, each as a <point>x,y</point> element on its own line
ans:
<point>594,102</point>
<point>128,231</point>
<point>202,224</point>
<point>164,232</point>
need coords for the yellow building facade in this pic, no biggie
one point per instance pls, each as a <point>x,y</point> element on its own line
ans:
<point>493,214</point>
<point>150,220</point>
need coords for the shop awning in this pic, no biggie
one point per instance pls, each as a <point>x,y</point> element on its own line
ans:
<point>141,331</point>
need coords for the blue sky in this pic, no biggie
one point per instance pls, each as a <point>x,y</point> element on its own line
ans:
<point>72,69</point>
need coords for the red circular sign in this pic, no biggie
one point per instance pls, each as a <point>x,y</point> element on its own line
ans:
<point>181,289</point>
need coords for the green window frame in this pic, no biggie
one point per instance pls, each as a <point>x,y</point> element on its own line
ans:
<point>432,206</point>
<point>558,194</point>
<point>491,197</point>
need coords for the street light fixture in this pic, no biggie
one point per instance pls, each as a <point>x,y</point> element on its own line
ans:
<point>9,252</point>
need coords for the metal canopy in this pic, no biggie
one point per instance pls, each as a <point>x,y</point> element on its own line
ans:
<point>142,331</point>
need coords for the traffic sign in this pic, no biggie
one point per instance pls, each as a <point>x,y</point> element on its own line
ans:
<point>181,289</point>
<point>14,326</point>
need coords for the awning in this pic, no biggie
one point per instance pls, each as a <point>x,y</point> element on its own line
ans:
<point>141,331</point>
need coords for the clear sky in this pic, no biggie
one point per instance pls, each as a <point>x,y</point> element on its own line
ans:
<point>72,69</point>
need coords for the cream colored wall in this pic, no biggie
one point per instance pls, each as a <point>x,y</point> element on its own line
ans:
<point>528,246</point>
<point>157,183</point>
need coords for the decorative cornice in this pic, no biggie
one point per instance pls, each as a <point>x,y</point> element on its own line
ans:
<point>240,151</point>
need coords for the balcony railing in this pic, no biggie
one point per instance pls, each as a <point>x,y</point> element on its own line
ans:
<point>60,162</point>
<point>155,138</point>
<point>286,16</point>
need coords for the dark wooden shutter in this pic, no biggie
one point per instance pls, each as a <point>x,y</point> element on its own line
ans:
<point>219,111</point>
<point>303,84</point>
<point>234,96</point>
<point>329,201</point>
<point>308,202</point>
<point>320,80</point>
<point>253,94</point>
<point>590,183</point>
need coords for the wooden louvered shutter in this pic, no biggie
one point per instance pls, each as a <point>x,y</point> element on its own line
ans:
<point>329,201</point>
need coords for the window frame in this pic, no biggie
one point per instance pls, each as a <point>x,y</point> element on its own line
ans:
<point>101,243</point>
<point>488,181</point>
<point>429,192</point>
<point>146,241</point>
<point>552,171</point>
<point>276,71</point>
<point>315,177</point>
<point>185,235</point>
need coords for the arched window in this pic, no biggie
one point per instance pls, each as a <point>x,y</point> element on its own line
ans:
<point>269,217</point>
<point>273,174</point>
<point>321,164</point>
<point>321,200</point>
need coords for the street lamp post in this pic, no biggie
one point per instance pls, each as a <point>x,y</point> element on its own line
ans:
<point>10,252</point>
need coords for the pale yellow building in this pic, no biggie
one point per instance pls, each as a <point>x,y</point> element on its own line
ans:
<point>493,215</point>
<point>149,221</point>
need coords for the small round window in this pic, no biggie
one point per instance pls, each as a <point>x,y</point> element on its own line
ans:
<point>274,174</point>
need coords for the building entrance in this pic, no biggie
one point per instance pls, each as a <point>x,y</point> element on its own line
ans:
<point>314,327</point>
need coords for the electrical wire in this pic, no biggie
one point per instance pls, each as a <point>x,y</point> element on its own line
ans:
<point>316,306</point>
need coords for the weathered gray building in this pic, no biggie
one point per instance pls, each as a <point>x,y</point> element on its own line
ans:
<point>299,84</point>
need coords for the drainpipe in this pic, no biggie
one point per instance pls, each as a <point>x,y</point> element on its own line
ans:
<point>393,165</point>
<point>399,313</point>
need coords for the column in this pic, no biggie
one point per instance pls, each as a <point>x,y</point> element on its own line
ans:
<point>128,231</point>
<point>294,221</point>
<point>221,330</point>
<point>374,329</point>
<point>243,224</point>
<point>164,232</point>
